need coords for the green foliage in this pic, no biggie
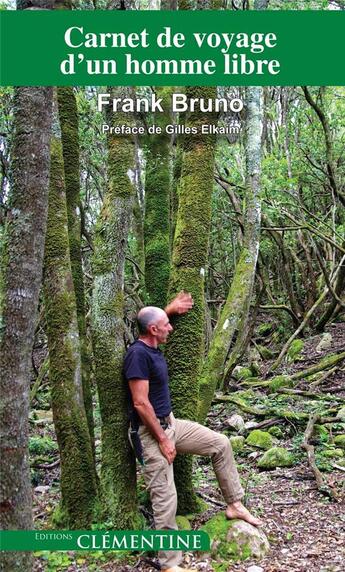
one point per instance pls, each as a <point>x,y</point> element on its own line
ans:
<point>42,445</point>
<point>295,350</point>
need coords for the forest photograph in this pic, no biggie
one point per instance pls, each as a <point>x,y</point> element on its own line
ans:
<point>236,232</point>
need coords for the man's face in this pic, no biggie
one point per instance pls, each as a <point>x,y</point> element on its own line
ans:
<point>161,329</point>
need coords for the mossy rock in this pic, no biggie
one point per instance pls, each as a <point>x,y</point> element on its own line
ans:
<point>341,413</point>
<point>276,457</point>
<point>260,439</point>
<point>240,372</point>
<point>237,443</point>
<point>266,353</point>
<point>276,431</point>
<point>265,329</point>
<point>235,539</point>
<point>255,369</point>
<point>333,453</point>
<point>294,351</point>
<point>183,523</point>
<point>279,381</point>
<point>339,440</point>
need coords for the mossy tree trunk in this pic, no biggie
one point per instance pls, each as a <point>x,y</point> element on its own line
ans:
<point>234,316</point>
<point>78,475</point>
<point>157,191</point>
<point>186,345</point>
<point>68,115</point>
<point>118,464</point>
<point>21,275</point>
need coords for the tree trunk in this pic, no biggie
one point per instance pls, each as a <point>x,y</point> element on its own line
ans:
<point>68,115</point>
<point>185,349</point>
<point>22,260</point>
<point>235,313</point>
<point>118,464</point>
<point>157,191</point>
<point>78,475</point>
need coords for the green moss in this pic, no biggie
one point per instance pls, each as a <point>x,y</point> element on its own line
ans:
<point>333,453</point>
<point>340,441</point>
<point>237,443</point>
<point>260,439</point>
<point>295,349</point>
<point>265,329</point>
<point>157,191</point>
<point>266,353</point>
<point>242,373</point>
<point>183,523</point>
<point>185,348</point>
<point>279,381</point>
<point>68,115</point>
<point>231,543</point>
<point>276,457</point>
<point>276,431</point>
<point>77,463</point>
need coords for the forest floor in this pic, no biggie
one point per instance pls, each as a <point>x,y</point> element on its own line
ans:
<point>306,529</point>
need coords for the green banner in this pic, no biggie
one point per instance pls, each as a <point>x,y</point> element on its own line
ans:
<point>172,48</point>
<point>104,540</point>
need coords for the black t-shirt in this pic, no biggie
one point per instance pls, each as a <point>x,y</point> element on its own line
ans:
<point>144,362</point>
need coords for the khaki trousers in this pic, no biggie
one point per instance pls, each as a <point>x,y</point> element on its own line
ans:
<point>189,437</point>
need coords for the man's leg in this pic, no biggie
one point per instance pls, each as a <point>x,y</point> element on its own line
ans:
<point>159,479</point>
<point>198,440</point>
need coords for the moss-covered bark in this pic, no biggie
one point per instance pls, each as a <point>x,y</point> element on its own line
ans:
<point>235,313</point>
<point>118,464</point>
<point>186,344</point>
<point>68,115</point>
<point>78,475</point>
<point>21,275</point>
<point>157,190</point>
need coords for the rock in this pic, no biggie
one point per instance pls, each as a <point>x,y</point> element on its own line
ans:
<point>341,413</point>
<point>254,455</point>
<point>333,453</point>
<point>340,441</point>
<point>294,351</point>
<point>276,431</point>
<point>237,443</point>
<point>324,343</point>
<point>260,439</point>
<point>42,489</point>
<point>236,422</point>
<point>280,381</point>
<point>276,457</point>
<point>266,353</point>
<point>235,539</point>
<point>183,523</point>
<point>255,569</point>
<point>242,372</point>
<point>251,424</point>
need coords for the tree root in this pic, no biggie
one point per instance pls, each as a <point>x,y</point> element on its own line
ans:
<point>320,483</point>
<point>298,417</point>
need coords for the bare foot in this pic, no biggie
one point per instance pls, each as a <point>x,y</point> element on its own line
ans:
<point>237,510</point>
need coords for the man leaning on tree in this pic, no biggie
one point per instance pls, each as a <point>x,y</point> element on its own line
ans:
<point>160,436</point>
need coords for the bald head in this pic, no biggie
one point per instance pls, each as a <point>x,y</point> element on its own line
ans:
<point>147,316</point>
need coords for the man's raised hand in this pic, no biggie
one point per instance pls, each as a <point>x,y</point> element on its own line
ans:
<point>181,304</point>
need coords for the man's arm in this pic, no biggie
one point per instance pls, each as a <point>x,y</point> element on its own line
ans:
<point>181,304</point>
<point>140,394</point>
